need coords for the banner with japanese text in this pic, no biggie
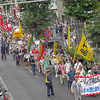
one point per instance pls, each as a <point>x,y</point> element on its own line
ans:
<point>90,85</point>
<point>84,49</point>
<point>46,35</point>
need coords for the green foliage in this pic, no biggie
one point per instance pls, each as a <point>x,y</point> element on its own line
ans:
<point>79,9</point>
<point>92,30</point>
<point>37,15</point>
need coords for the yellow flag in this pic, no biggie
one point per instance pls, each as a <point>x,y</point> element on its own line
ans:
<point>27,42</point>
<point>40,47</point>
<point>69,37</point>
<point>20,26</point>
<point>84,49</point>
<point>75,55</point>
<point>58,59</point>
<point>55,47</point>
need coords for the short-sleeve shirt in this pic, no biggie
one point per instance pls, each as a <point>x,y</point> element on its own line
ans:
<point>71,76</point>
<point>66,36</point>
<point>46,63</point>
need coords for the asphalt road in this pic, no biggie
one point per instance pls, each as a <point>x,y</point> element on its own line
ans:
<point>24,86</point>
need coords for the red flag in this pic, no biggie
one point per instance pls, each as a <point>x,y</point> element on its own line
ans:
<point>1,23</point>
<point>42,51</point>
<point>46,35</point>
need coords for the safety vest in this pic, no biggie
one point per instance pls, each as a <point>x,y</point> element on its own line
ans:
<point>46,79</point>
<point>32,61</point>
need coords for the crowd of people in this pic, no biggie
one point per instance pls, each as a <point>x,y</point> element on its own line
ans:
<point>64,69</point>
<point>61,30</point>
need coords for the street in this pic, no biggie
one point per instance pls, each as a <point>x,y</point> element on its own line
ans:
<point>24,86</point>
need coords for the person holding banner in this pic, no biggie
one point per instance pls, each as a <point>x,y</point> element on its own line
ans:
<point>76,89</point>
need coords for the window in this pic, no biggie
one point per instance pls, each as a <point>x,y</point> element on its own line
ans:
<point>52,1</point>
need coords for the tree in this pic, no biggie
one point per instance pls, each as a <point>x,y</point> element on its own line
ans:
<point>80,9</point>
<point>37,15</point>
<point>92,30</point>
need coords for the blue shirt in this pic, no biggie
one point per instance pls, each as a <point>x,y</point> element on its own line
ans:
<point>66,36</point>
<point>71,76</point>
<point>95,71</point>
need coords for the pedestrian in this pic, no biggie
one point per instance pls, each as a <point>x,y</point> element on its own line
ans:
<point>51,32</point>
<point>67,66</point>
<point>70,77</point>
<point>61,72</point>
<point>56,29</point>
<point>49,83</point>
<point>46,65</point>
<point>3,50</point>
<point>27,59</point>
<point>66,39</point>
<point>55,66</point>
<point>76,89</point>
<point>77,64</point>
<point>7,47</point>
<point>33,63</point>
<point>17,57</point>
<point>96,69</point>
<point>60,30</point>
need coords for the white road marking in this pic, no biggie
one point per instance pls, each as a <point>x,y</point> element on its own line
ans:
<point>6,88</point>
<point>32,73</point>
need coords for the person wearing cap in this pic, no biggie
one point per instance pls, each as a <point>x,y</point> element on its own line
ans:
<point>3,50</point>
<point>33,63</point>
<point>76,89</point>
<point>49,83</point>
<point>61,67</point>
<point>89,73</point>
<point>17,57</point>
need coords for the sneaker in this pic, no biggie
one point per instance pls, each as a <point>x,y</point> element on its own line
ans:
<point>25,67</point>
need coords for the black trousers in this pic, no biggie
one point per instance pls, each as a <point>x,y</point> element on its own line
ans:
<point>69,84</point>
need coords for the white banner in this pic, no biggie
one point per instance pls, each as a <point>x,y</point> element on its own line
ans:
<point>90,84</point>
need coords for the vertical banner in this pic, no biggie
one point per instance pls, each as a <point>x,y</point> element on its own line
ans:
<point>1,23</point>
<point>46,35</point>
<point>42,51</point>
<point>55,47</point>
<point>75,55</point>
<point>69,37</point>
<point>40,47</point>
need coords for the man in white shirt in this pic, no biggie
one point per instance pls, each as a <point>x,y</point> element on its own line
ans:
<point>82,72</point>
<point>77,64</point>
<point>67,65</point>
<point>27,59</point>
